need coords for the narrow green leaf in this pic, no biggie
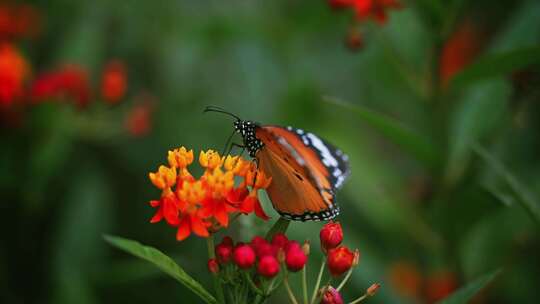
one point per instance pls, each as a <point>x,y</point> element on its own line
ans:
<point>281,225</point>
<point>496,65</point>
<point>163,262</point>
<point>465,294</point>
<point>393,130</point>
<point>524,197</point>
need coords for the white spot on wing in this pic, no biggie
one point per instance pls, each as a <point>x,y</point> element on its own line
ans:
<point>327,157</point>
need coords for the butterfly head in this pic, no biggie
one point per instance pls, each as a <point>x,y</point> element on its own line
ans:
<point>246,129</point>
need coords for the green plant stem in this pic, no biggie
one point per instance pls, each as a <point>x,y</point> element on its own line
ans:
<point>217,283</point>
<point>304,284</point>
<point>344,281</point>
<point>289,291</point>
<point>362,298</point>
<point>319,277</point>
<point>254,287</point>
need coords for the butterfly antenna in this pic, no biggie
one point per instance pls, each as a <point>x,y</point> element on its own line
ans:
<point>219,110</point>
<point>227,149</point>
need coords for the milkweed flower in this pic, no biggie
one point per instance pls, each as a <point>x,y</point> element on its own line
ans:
<point>13,71</point>
<point>70,82</point>
<point>204,205</point>
<point>114,82</point>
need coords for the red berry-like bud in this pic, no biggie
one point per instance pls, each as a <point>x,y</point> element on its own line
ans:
<point>331,236</point>
<point>331,296</point>
<point>227,240</point>
<point>213,266</point>
<point>244,256</point>
<point>266,249</point>
<point>340,260</point>
<point>268,266</point>
<point>280,240</point>
<point>257,240</point>
<point>340,4</point>
<point>224,253</point>
<point>295,259</point>
<point>292,245</point>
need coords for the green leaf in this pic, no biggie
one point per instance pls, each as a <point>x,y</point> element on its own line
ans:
<point>480,111</point>
<point>524,197</point>
<point>281,225</point>
<point>465,294</point>
<point>163,262</point>
<point>393,130</point>
<point>496,65</point>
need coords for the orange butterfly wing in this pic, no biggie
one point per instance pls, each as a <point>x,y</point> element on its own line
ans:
<point>301,187</point>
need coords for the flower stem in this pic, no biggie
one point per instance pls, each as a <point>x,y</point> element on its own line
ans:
<point>319,277</point>
<point>304,284</point>
<point>217,283</point>
<point>349,273</point>
<point>252,284</point>
<point>289,291</point>
<point>362,298</point>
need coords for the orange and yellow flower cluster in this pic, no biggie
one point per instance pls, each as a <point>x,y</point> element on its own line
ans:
<point>204,205</point>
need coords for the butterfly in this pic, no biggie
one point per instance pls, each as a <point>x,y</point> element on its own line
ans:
<point>306,170</point>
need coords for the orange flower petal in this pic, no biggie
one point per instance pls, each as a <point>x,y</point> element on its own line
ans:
<point>198,226</point>
<point>184,228</point>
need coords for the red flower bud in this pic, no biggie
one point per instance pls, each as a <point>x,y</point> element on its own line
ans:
<point>295,259</point>
<point>340,260</point>
<point>331,236</point>
<point>280,240</point>
<point>213,266</point>
<point>227,240</point>
<point>224,253</point>
<point>268,266</point>
<point>331,296</point>
<point>291,245</point>
<point>266,249</point>
<point>340,4</point>
<point>256,241</point>
<point>244,256</point>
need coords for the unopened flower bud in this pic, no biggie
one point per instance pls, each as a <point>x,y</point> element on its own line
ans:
<point>280,240</point>
<point>244,256</point>
<point>268,266</point>
<point>213,266</point>
<point>295,259</point>
<point>281,255</point>
<point>306,248</point>
<point>331,296</point>
<point>372,290</point>
<point>340,260</point>
<point>356,259</point>
<point>331,236</point>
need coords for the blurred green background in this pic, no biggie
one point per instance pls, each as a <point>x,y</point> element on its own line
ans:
<point>445,170</point>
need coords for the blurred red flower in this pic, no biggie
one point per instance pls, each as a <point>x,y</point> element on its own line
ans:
<point>375,9</point>
<point>405,278</point>
<point>138,121</point>
<point>13,71</point>
<point>459,51</point>
<point>439,285</point>
<point>114,82</point>
<point>18,21</point>
<point>70,82</point>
